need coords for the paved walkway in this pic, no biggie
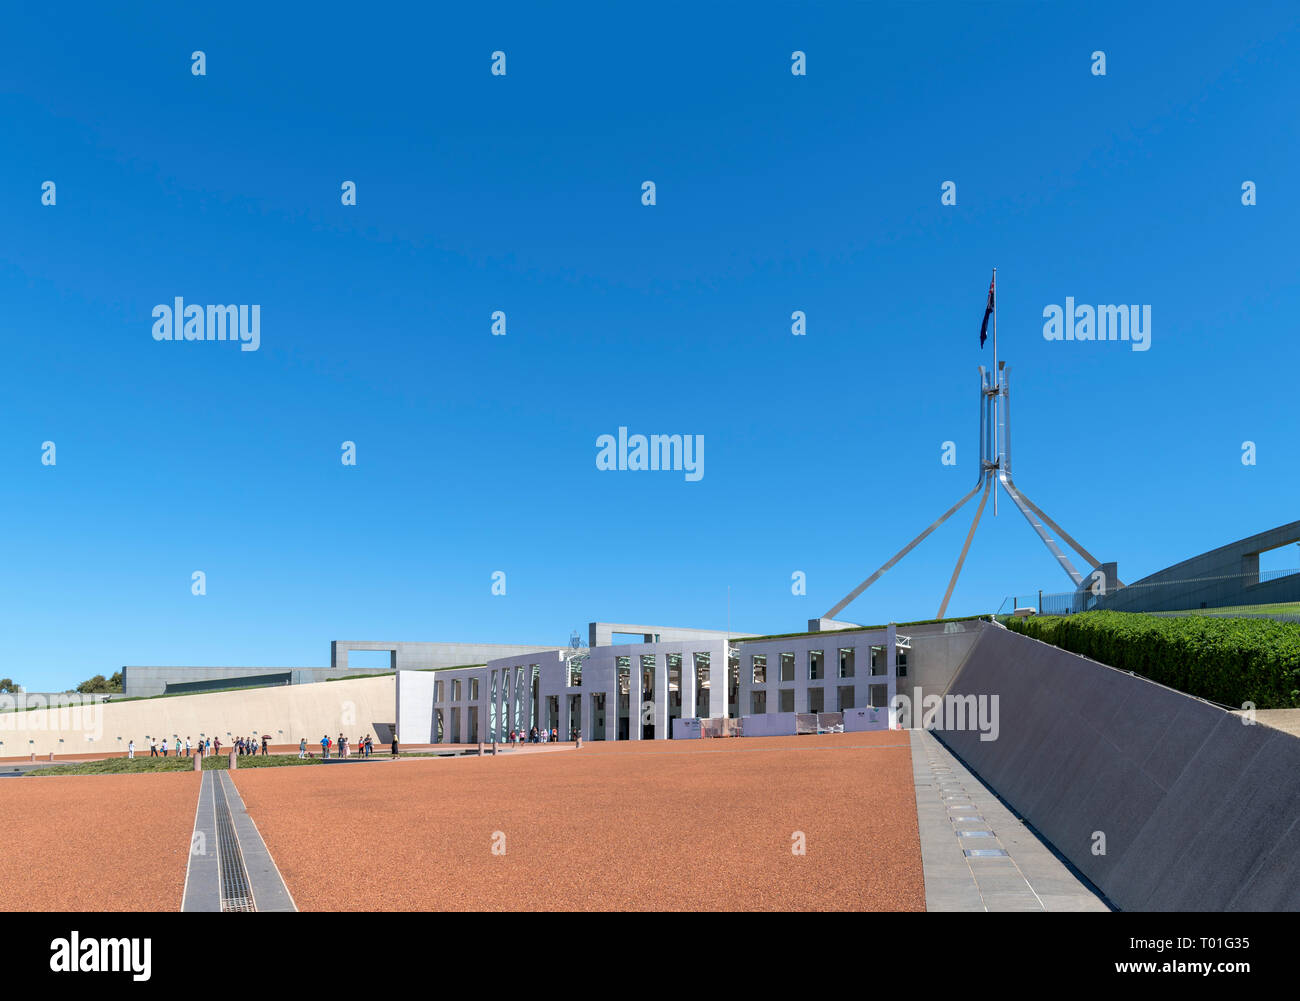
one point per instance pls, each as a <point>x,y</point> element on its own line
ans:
<point>230,868</point>
<point>977,855</point>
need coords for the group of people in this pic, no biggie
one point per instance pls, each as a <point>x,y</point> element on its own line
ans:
<point>364,746</point>
<point>249,745</point>
<point>158,747</point>
<point>535,736</point>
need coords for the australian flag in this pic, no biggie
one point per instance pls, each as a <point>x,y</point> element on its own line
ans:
<point>984,327</point>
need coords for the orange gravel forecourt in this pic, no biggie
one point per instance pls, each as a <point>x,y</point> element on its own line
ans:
<point>96,842</point>
<point>639,825</point>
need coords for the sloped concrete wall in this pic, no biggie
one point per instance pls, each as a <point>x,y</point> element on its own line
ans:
<point>287,713</point>
<point>1199,812</point>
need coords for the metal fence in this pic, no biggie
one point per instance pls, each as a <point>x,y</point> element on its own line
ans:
<point>1271,594</point>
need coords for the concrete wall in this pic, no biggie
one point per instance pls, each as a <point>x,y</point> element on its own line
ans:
<point>286,713</point>
<point>1199,811</point>
<point>1228,575</point>
<point>140,681</point>
<point>860,641</point>
<point>938,649</point>
<point>503,693</point>
<point>602,633</point>
<point>423,656</point>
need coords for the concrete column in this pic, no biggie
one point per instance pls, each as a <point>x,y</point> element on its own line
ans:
<point>862,672</point>
<point>520,698</point>
<point>503,706</point>
<point>661,696</point>
<point>688,686</point>
<point>507,697</point>
<point>489,717</point>
<point>718,682</point>
<point>635,697</point>
<point>891,653</point>
<point>801,681</point>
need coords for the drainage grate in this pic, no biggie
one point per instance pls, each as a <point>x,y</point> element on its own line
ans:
<point>986,852</point>
<point>235,892</point>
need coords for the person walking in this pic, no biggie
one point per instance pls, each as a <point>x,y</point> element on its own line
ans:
<point>153,747</point>
<point>555,734</point>
<point>130,749</point>
<point>394,744</point>
<point>302,747</point>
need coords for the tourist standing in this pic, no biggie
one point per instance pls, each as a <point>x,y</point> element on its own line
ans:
<point>302,747</point>
<point>130,748</point>
<point>325,746</point>
<point>189,750</point>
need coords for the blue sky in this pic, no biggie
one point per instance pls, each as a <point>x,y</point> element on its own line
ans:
<point>522,193</point>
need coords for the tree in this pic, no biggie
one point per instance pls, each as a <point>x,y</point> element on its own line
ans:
<point>7,687</point>
<point>100,684</point>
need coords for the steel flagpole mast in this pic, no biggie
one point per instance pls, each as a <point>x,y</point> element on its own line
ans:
<point>997,400</point>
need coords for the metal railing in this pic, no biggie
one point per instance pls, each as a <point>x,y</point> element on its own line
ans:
<point>1268,593</point>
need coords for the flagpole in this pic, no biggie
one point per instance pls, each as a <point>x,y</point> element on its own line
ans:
<point>997,400</point>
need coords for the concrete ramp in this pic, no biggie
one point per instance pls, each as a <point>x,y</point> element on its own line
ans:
<point>1198,811</point>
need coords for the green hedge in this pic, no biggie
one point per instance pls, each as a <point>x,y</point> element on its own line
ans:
<point>1229,661</point>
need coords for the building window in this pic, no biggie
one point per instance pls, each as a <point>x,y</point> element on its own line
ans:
<point>846,662</point>
<point>438,691</point>
<point>816,665</point>
<point>703,668</point>
<point>787,667</point>
<point>879,696</point>
<point>758,702</point>
<point>901,663</point>
<point>455,690</point>
<point>846,697</point>
<point>877,660</point>
<point>473,689</point>
<point>760,668</point>
<point>787,700</point>
<point>816,699</point>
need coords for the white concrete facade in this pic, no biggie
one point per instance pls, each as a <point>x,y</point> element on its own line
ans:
<point>634,691</point>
